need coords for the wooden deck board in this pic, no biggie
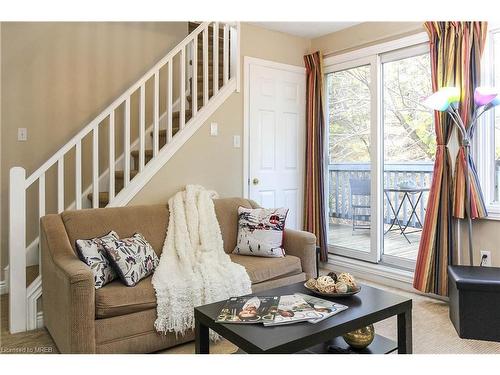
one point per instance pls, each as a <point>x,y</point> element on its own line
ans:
<point>394,243</point>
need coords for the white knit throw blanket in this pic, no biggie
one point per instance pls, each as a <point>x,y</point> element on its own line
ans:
<point>194,269</point>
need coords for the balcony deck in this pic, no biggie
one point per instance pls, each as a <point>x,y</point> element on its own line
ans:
<point>394,243</point>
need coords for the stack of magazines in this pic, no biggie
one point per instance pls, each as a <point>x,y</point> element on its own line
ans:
<point>273,311</point>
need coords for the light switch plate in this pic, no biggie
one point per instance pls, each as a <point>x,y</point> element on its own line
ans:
<point>236,141</point>
<point>22,134</point>
<point>214,129</point>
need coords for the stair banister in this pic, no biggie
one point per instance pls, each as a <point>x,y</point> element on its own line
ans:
<point>23,299</point>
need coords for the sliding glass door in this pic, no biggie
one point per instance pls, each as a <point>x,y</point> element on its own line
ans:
<point>381,145</point>
<point>409,148</point>
<point>351,151</point>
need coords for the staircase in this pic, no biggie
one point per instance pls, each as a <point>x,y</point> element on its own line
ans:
<point>187,86</point>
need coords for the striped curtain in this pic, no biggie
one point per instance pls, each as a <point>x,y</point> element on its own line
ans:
<point>314,199</point>
<point>452,63</point>
<point>470,45</point>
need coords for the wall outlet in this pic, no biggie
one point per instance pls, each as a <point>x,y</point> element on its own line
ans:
<point>22,134</point>
<point>486,258</point>
<point>214,129</point>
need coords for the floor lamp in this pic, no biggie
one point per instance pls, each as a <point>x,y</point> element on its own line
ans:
<point>447,100</point>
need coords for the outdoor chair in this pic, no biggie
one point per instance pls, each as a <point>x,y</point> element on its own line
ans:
<point>360,192</point>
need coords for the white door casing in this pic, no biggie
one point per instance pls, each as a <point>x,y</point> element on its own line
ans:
<point>276,128</point>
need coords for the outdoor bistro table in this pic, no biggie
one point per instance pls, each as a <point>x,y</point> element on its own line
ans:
<point>408,193</point>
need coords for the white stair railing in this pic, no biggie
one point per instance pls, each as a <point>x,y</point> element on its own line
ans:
<point>22,298</point>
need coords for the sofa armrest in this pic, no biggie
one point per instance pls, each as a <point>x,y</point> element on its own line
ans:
<point>302,245</point>
<point>68,290</point>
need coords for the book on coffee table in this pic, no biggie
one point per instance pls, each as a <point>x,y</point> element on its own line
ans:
<point>323,307</point>
<point>292,309</point>
<point>248,310</point>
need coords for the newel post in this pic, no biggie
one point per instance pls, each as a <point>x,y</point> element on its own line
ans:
<point>17,250</point>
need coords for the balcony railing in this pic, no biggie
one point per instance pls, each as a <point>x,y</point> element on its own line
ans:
<point>339,191</point>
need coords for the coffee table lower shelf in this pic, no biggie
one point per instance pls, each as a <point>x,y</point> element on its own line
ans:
<point>380,345</point>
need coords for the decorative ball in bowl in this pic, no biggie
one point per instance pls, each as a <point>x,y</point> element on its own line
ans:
<point>333,285</point>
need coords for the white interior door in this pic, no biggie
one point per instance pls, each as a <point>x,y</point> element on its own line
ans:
<point>276,120</point>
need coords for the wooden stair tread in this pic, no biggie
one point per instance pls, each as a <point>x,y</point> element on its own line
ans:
<point>103,197</point>
<point>121,174</point>
<point>200,94</point>
<point>147,153</point>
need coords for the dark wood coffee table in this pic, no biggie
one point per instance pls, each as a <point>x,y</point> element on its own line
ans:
<point>369,306</point>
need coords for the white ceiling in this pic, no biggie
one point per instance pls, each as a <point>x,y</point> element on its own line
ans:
<point>306,29</point>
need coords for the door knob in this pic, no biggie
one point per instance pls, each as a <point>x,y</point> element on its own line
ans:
<point>255,181</point>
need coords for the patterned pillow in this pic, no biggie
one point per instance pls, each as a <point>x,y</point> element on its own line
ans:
<point>93,254</point>
<point>133,258</point>
<point>260,232</point>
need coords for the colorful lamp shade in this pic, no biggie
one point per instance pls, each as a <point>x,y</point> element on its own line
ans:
<point>484,95</point>
<point>443,98</point>
<point>495,101</point>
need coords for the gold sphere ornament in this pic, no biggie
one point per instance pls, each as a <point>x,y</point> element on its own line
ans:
<point>360,338</point>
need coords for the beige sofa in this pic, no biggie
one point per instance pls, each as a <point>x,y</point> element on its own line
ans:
<point>117,318</point>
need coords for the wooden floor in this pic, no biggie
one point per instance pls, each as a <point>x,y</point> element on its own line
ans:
<point>394,243</point>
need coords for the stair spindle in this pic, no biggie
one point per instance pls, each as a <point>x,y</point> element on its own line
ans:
<point>142,124</point>
<point>111,155</point>
<point>182,96</point>
<point>126,151</point>
<point>60,185</point>
<point>156,114</point>
<point>215,78</point>
<point>78,175</point>
<point>226,55</point>
<point>194,67</point>
<point>205,66</point>
<point>95,167</point>
<point>169,100</point>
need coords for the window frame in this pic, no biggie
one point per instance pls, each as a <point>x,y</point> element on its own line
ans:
<point>374,55</point>
<point>483,149</point>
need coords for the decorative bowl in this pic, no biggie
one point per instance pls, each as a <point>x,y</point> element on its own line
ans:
<point>336,295</point>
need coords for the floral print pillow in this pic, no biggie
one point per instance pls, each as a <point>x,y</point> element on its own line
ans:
<point>92,253</point>
<point>260,232</point>
<point>133,258</point>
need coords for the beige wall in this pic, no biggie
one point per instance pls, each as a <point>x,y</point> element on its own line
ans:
<point>212,161</point>
<point>485,235</point>
<point>363,35</point>
<point>59,76</point>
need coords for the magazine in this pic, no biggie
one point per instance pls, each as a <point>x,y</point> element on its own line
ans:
<point>292,309</point>
<point>248,310</point>
<point>323,307</point>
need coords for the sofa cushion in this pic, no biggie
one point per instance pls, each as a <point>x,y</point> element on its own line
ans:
<point>116,299</point>
<point>260,232</point>
<point>133,258</point>
<point>151,221</point>
<point>92,253</point>
<point>262,269</point>
<point>226,210</point>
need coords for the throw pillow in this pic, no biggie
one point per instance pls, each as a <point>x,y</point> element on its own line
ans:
<point>260,232</point>
<point>133,258</point>
<point>92,253</point>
